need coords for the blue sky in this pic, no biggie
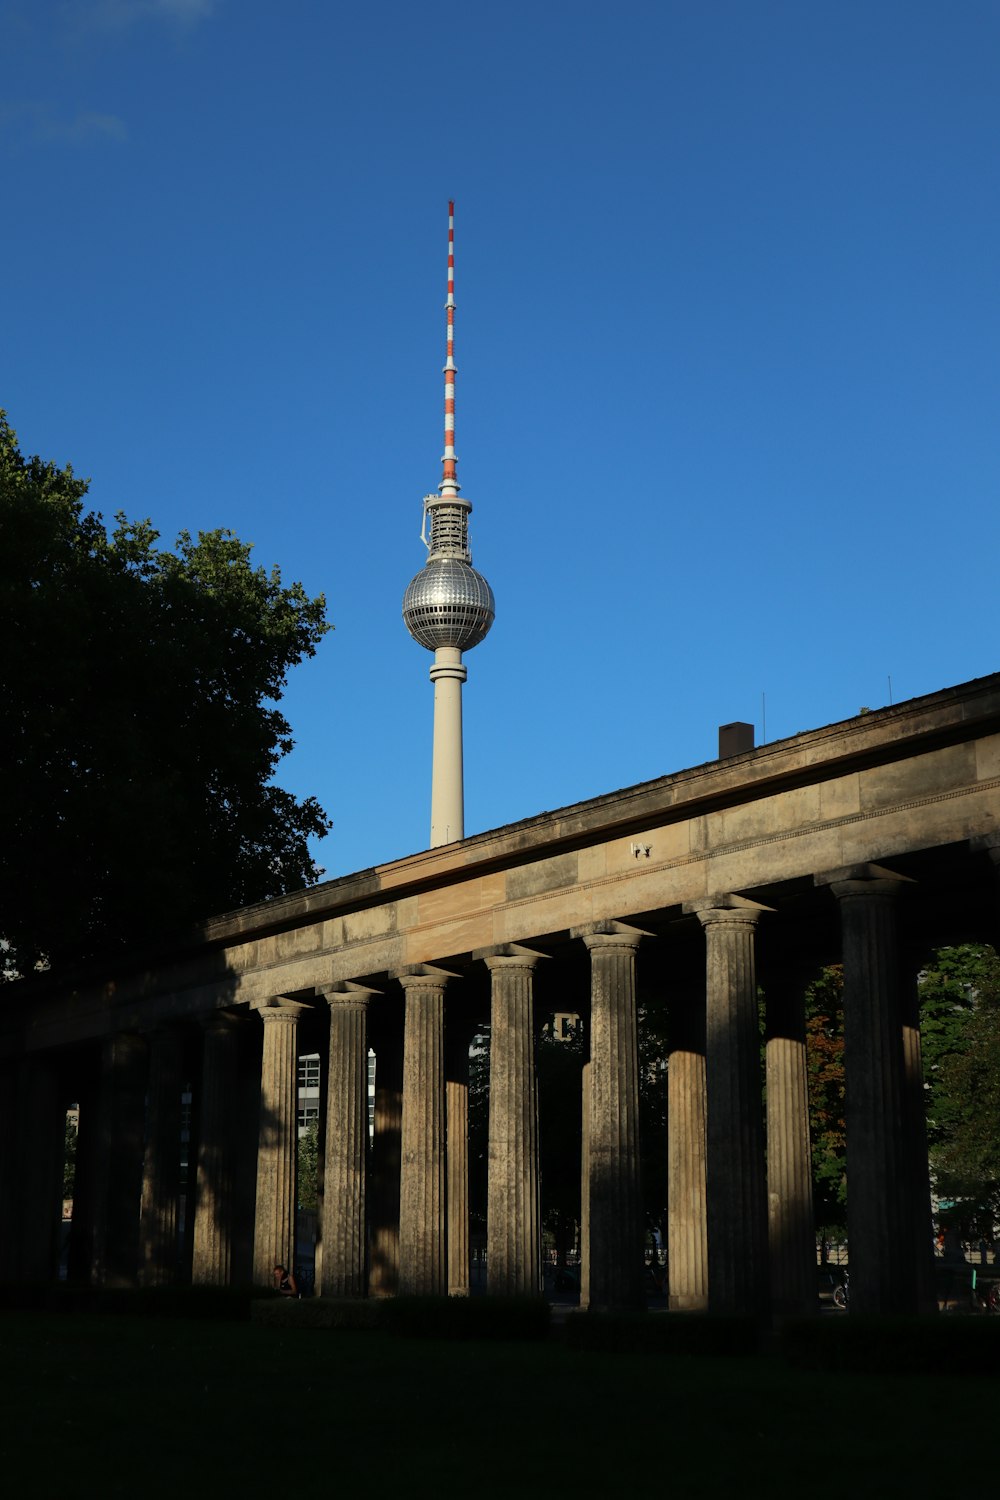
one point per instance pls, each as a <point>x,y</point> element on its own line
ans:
<point>727,339</point>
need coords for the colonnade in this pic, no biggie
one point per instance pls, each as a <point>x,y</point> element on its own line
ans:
<point>394,1208</point>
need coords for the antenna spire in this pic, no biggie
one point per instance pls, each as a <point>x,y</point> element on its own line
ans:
<point>449,482</point>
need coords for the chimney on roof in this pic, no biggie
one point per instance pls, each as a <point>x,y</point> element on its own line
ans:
<point>734,739</point>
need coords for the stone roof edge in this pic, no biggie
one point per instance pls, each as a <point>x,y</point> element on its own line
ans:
<point>429,867</point>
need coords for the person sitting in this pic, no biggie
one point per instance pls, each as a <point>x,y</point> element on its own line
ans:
<point>284,1282</point>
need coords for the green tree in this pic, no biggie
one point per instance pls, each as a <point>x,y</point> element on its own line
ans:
<point>139,690</point>
<point>307,1175</point>
<point>948,989</point>
<point>826,1089</point>
<point>479,1129</point>
<point>69,1157</point>
<point>653,1053</point>
<point>960,1037</point>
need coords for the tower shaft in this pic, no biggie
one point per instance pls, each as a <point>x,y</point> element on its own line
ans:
<point>447,771</point>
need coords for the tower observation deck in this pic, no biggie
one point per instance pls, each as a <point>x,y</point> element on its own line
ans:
<point>448,607</point>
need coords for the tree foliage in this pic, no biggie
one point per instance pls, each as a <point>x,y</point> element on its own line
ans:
<point>826,1089</point>
<point>960,1043</point>
<point>69,1156</point>
<point>479,1128</point>
<point>654,1048</point>
<point>960,1036</point>
<point>948,988</point>
<point>139,690</point>
<point>307,1174</point>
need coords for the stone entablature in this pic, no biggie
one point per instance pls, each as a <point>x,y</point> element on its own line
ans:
<point>920,775</point>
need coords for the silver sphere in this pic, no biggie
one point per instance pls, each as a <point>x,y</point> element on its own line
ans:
<point>448,604</point>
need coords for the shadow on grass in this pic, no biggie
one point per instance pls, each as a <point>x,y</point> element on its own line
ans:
<point>162,1406</point>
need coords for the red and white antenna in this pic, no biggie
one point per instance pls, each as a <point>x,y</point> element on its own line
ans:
<point>449,480</point>
<point>446,511</point>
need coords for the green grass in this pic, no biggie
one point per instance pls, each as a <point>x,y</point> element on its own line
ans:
<point>146,1407</point>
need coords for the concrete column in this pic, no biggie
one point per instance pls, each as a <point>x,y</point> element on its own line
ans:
<point>345,1259</point>
<point>383,1279</point>
<point>791,1222</point>
<point>121,1109</point>
<point>423,1264</point>
<point>447,773</point>
<point>278,1139</point>
<point>737,1204</point>
<point>244,1138</point>
<point>321,1045</point>
<point>615,1259</point>
<point>158,1248</point>
<point>513,1234</point>
<point>879,1224</point>
<point>458,1037</point>
<point>213,1207</point>
<point>687,1211</point>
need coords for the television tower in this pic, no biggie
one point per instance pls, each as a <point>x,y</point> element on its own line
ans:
<point>448,607</point>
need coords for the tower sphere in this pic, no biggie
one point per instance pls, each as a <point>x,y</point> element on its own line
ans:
<point>448,604</point>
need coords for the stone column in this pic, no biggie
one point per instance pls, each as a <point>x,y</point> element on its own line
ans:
<point>737,1204</point>
<point>687,1213</point>
<point>383,1280</point>
<point>244,1138</point>
<point>458,1037</point>
<point>278,1139</point>
<point>423,1264</point>
<point>513,1235</point>
<point>158,1248</point>
<point>346,1156</point>
<point>615,1259</point>
<point>791,1222</point>
<point>118,1181</point>
<point>212,1237</point>
<point>879,1227</point>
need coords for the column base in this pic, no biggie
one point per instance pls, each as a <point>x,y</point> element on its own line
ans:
<point>687,1302</point>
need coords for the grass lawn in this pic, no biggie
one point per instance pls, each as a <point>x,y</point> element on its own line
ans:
<point>109,1406</point>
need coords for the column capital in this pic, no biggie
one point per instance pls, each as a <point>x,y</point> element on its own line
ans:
<point>609,935</point>
<point>129,1039</point>
<point>423,977</point>
<point>346,994</point>
<point>279,1008</point>
<point>989,844</point>
<point>161,1030</point>
<point>508,956</point>
<point>726,909</point>
<point>220,1022</point>
<point>862,880</point>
